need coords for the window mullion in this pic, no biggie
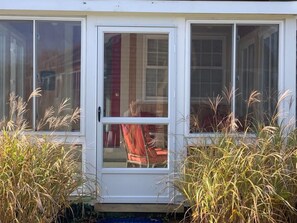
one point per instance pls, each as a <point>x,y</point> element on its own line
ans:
<point>234,38</point>
<point>34,77</point>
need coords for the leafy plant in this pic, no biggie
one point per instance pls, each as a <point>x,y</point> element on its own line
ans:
<point>239,177</point>
<point>37,173</point>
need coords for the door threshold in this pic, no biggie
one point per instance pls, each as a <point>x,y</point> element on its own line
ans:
<point>145,208</point>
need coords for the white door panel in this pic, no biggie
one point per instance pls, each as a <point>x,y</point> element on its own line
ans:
<point>135,114</point>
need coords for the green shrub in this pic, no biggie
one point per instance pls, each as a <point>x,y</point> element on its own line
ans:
<point>241,177</point>
<point>37,174</point>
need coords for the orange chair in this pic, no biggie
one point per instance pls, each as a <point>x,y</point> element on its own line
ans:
<point>140,151</point>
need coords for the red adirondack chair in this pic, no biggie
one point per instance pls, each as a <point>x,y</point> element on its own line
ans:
<point>140,149</point>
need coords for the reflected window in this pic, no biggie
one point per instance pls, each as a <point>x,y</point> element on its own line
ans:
<point>256,69</point>
<point>16,59</point>
<point>211,49</point>
<point>156,71</point>
<point>208,66</point>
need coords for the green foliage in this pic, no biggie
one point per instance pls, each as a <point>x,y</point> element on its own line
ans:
<point>37,174</point>
<point>239,177</point>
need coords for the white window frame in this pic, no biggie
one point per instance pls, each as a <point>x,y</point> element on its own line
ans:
<point>2,72</point>
<point>71,136</point>
<point>193,136</point>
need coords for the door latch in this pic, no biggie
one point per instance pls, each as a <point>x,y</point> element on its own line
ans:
<point>99,113</point>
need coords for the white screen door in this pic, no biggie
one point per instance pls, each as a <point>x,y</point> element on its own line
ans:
<point>135,116</point>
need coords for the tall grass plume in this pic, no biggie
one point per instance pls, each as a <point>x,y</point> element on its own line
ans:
<point>37,173</point>
<point>242,175</point>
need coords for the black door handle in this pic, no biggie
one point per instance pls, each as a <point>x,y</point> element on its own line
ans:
<point>99,113</point>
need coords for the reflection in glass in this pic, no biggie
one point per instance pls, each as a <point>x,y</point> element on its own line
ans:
<point>257,70</point>
<point>16,56</point>
<point>135,70</point>
<point>211,53</point>
<point>58,66</point>
<point>135,146</point>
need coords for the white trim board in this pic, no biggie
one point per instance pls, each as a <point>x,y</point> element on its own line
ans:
<point>133,6</point>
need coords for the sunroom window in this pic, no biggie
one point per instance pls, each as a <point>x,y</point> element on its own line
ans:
<point>40,54</point>
<point>222,82</point>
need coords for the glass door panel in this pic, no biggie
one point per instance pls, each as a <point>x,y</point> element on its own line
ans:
<point>135,85</point>
<point>141,146</point>
<point>135,75</point>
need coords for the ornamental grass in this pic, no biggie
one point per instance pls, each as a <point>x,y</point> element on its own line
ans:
<point>37,173</point>
<point>242,176</point>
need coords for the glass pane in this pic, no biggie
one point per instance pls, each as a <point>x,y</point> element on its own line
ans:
<point>217,60</point>
<point>217,46</point>
<point>213,44</point>
<point>162,59</point>
<point>206,46</point>
<point>206,59</point>
<point>152,59</point>
<point>58,66</point>
<point>163,45</point>
<point>152,45</point>
<point>151,89</point>
<point>151,75</point>
<point>206,76</point>
<point>257,70</point>
<point>217,76</point>
<point>16,59</point>
<point>135,73</point>
<point>135,146</point>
